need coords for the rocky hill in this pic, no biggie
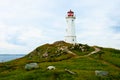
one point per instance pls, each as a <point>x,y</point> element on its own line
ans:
<point>69,62</point>
<point>58,51</point>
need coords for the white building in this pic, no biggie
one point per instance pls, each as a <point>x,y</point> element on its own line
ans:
<point>70,30</point>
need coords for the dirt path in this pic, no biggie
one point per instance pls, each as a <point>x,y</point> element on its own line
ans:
<point>93,52</point>
<point>70,52</point>
<point>103,61</point>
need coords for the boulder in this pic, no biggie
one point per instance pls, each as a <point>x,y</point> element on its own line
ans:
<point>31,66</point>
<point>51,67</point>
<point>45,55</point>
<point>101,73</point>
<point>70,72</point>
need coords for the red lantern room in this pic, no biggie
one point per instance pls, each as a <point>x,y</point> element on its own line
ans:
<point>70,13</point>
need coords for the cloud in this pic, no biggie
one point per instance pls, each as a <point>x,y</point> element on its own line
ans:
<point>26,24</point>
<point>96,27</point>
<point>19,37</point>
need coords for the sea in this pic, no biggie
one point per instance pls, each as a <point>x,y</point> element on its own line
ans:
<point>8,57</point>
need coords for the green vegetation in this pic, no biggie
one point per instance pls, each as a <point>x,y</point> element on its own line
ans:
<point>59,55</point>
<point>109,55</point>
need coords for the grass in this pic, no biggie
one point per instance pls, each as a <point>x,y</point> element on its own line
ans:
<point>84,68</point>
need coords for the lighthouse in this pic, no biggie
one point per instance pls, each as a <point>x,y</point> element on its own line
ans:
<point>70,29</point>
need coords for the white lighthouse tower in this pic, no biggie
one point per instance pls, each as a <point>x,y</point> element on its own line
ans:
<point>70,30</point>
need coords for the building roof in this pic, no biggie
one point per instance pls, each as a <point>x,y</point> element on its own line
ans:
<point>70,11</point>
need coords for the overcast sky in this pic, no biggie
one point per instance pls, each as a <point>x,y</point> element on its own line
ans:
<point>27,24</point>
